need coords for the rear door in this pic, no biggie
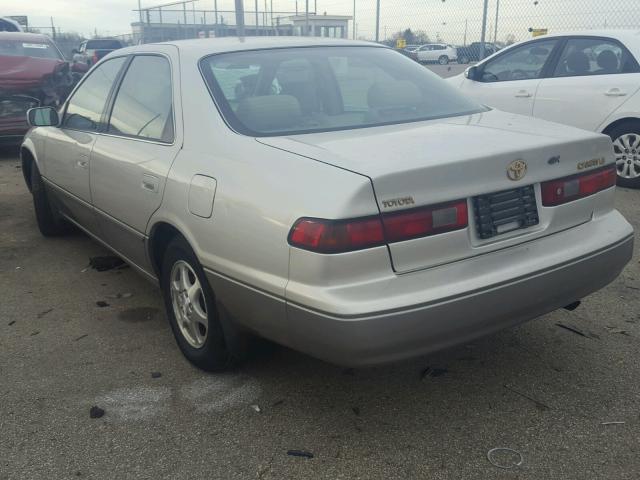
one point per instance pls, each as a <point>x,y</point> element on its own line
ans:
<point>68,147</point>
<point>593,77</point>
<point>509,81</point>
<point>131,160</point>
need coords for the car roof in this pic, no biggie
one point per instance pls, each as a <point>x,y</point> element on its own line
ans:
<point>26,37</point>
<point>200,47</point>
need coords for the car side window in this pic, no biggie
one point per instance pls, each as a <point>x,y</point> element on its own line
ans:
<point>143,104</point>
<point>594,56</point>
<point>521,63</point>
<point>85,108</point>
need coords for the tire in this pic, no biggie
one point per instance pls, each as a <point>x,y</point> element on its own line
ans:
<point>213,348</point>
<point>443,60</point>
<point>49,221</point>
<point>463,59</point>
<point>626,146</point>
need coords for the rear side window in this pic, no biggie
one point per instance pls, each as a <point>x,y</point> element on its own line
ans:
<point>520,63</point>
<point>87,104</point>
<point>594,56</point>
<point>143,105</point>
<point>103,44</point>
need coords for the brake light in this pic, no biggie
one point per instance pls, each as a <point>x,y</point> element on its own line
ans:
<point>568,189</point>
<point>94,58</point>
<point>339,236</point>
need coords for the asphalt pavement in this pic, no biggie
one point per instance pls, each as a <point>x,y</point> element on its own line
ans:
<point>566,399</point>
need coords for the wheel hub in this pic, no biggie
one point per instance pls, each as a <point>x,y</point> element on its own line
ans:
<point>189,306</point>
<point>626,148</point>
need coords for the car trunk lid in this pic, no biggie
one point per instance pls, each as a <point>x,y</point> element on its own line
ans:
<point>468,157</point>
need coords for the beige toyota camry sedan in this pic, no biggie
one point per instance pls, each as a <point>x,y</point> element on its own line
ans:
<point>332,196</point>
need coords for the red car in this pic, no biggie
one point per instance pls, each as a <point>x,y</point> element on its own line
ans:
<point>33,73</point>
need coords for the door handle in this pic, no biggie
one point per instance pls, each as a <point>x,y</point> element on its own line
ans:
<point>523,94</point>
<point>615,92</point>
<point>83,162</point>
<point>149,183</point>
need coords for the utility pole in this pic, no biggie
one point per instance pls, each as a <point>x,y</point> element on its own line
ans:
<point>378,20</point>
<point>240,18</point>
<point>306,18</point>
<point>256,17</point>
<point>53,29</point>
<point>354,19</point>
<point>483,38</point>
<point>495,33</point>
<point>140,13</point>
<point>466,25</point>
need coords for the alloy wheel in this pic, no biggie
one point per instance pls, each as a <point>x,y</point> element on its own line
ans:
<point>189,305</point>
<point>627,152</point>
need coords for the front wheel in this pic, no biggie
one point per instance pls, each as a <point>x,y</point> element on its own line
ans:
<point>626,147</point>
<point>48,219</point>
<point>192,312</point>
<point>443,60</point>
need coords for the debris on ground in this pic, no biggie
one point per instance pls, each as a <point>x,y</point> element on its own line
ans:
<point>120,295</point>
<point>108,262</point>
<point>102,303</point>
<point>576,330</point>
<point>11,322</point>
<point>256,408</point>
<point>433,372</point>
<point>539,405</point>
<point>514,453</point>
<point>43,313</point>
<point>96,412</point>
<point>621,331</point>
<point>613,423</point>
<point>300,453</point>
<point>156,374</point>
<point>277,402</point>
<point>356,410</point>
<point>80,337</point>
<point>33,334</point>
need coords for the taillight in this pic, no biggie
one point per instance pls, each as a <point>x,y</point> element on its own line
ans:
<point>95,58</point>
<point>338,236</point>
<point>567,189</point>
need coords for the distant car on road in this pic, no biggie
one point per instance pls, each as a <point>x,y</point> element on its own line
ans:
<point>471,53</point>
<point>9,25</point>
<point>90,51</point>
<point>326,194</point>
<point>436,52</point>
<point>589,80</point>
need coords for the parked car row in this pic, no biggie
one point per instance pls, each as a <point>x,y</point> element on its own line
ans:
<point>443,53</point>
<point>335,198</point>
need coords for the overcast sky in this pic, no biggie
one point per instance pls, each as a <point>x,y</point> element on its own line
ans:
<point>444,17</point>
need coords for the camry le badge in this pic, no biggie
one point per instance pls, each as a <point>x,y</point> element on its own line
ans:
<point>516,170</point>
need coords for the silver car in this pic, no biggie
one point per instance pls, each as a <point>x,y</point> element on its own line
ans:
<point>332,196</point>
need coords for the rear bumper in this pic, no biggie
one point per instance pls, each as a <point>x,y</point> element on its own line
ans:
<point>392,335</point>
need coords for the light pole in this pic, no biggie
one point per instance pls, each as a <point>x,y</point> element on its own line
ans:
<point>495,33</point>
<point>378,20</point>
<point>240,18</point>
<point>353,21</point>
<point>306,19</point>
<point>484,29</point>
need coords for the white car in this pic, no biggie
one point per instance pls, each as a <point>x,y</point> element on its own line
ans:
<point>332,196</point>
<point>589,80</point>
<point>437,52</point>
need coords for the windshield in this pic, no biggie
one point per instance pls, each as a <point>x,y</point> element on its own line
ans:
<point>16,48</point>
<point>302,90</point>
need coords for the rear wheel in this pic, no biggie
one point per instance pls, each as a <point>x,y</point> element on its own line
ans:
<point>443,60</point>
<point>463,59</point>
<point>50,223</point>
<point>192,312</point>
<point>626,147</point>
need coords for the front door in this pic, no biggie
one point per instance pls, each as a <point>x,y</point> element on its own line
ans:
<point>510,81</point>
<point>69,146</point>
<point>131,161</point>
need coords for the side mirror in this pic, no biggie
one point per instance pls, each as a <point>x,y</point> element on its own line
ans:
<point>472,73</point>
<point>43,117</point>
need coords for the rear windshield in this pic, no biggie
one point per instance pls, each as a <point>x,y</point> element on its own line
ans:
<point>14,48</point>
<point>104,44</point>
<point>303,90</point>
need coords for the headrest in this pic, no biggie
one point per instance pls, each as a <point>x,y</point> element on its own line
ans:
<point>394,94</point>
<point>269,112</point>
<point>608,61</point>
<point>578,62</point>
